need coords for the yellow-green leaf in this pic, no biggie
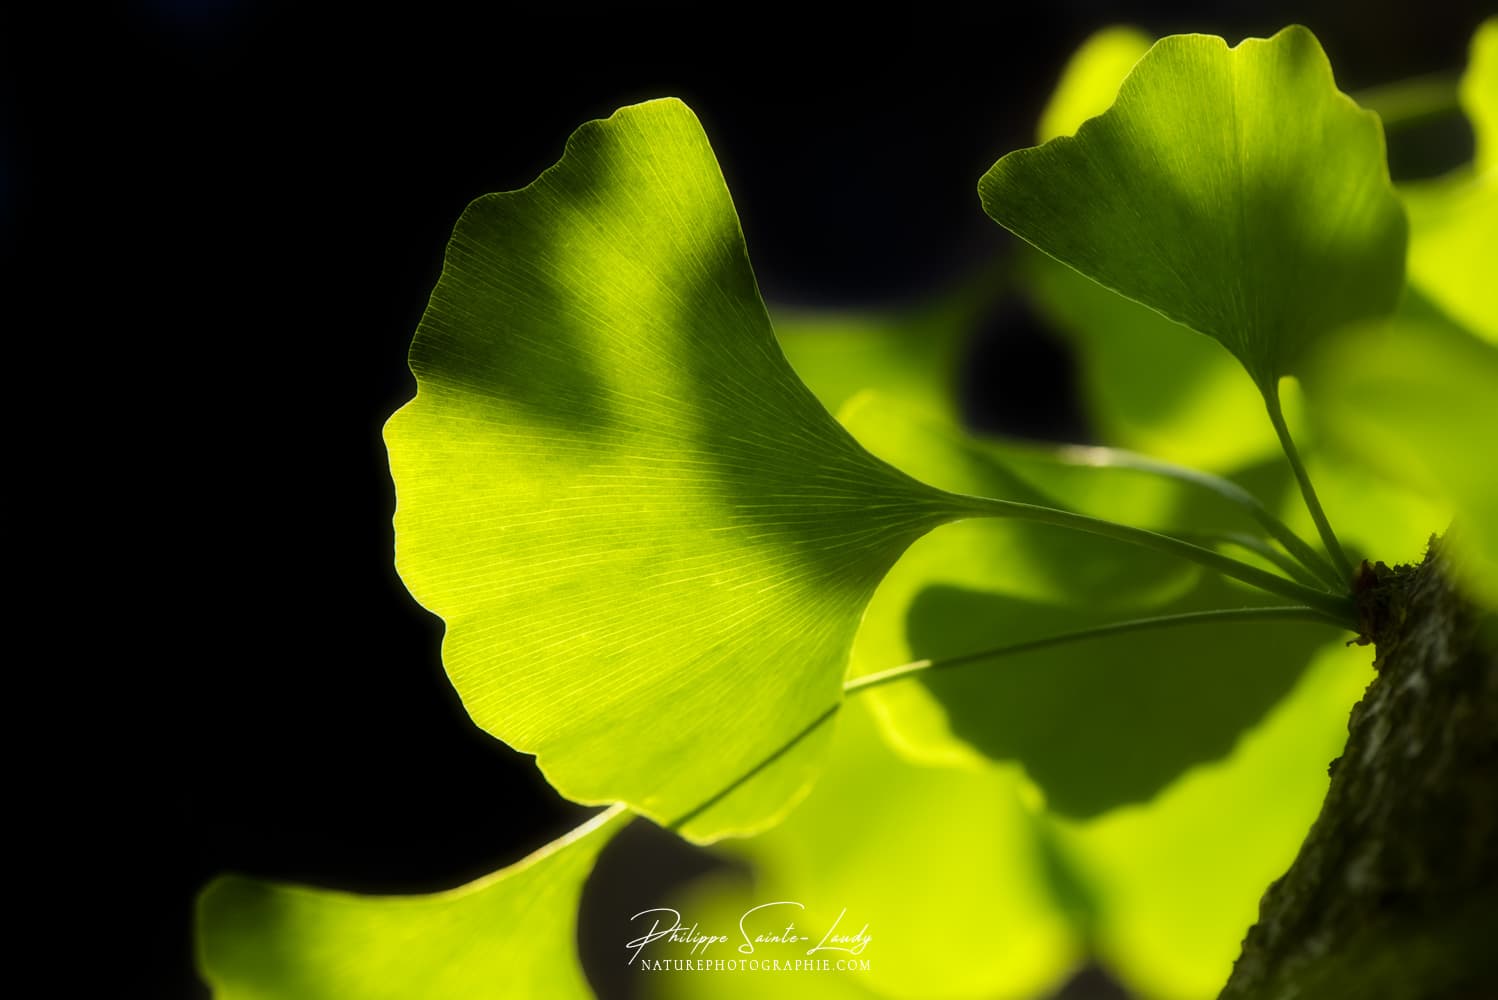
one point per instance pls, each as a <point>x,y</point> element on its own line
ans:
<point>1454,219</point>
<point>1089,83</point>
<point>644,534</point>
<point>1419,406</point>
<point>1236,191</point>
<point>505,936</point>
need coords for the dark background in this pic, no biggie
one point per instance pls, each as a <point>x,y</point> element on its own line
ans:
<point>228,216</point>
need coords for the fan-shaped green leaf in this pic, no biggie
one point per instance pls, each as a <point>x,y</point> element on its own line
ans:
<point>1149,383</point>
<point>1237,191</point>
<point>650,544</point>
<point>508,935</point>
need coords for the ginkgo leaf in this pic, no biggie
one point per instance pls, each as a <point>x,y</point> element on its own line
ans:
<point>1089,83</point>
<point>511,934</point>
<point>1418,405</point>
<point>941,865</point>
<point>1174,697</point>
<point>650,543</point>
<point>1454,219</point>
<point>1236,191</point>
<point>1148,383</point>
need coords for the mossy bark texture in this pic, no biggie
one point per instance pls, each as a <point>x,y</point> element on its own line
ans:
<point>1394,895</point>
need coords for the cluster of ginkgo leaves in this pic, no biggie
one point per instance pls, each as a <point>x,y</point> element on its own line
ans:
<point>1013,706</point>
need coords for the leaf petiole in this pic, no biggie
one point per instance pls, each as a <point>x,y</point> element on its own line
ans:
<point>1258,546</point>
<point>1337,607</point>
<point>1224,488</point>
<point>1307,491</point>
<point>868,682</point>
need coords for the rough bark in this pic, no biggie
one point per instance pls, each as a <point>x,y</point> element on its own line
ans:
<point>1394,894</point>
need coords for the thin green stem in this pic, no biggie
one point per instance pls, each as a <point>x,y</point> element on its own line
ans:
<point>1337,606</point>
<point>1224,488</point>
<point>1260,547</point>
<point>1215,617</point>
<point>1406,102</point>
<point>870,681</point>
<point>1307,491</point>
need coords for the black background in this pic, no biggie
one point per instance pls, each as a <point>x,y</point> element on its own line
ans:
<point>230,214</point>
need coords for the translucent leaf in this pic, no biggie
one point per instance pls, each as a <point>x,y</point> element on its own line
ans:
<point>644,534</point>
<point>1089,83</point>
<point>1454,244</point>
<point>511,934</point>
<point>1176,883</point>
<point>1454,219</point>
<point>1236,191</point>
<point>1174,697</point>
<point>942,864</point>
<point>1419,406</point>
<point>1149,384</point>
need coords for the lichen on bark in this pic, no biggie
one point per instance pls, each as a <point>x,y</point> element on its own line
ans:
<point>1394,894</point>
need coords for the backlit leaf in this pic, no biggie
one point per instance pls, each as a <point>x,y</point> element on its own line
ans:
<point>645,535</point>
<point>1454,219</point>
<point>1236,191</point>
<point>510,934</point>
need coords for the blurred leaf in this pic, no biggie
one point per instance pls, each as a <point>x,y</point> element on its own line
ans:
<point>940,863</point>
<point>1236,191</point>
<point>1419,406</point>
<point>1174,697</point>
<point>1479,94</point>
<point>909,354</point>
<point>1176,883</point>
<point>1089,83</point>
<point>511,934</point>
<point>645,535</point>
<point>1454,244</point>
<point>1454,219</point>
<point>718,902</point>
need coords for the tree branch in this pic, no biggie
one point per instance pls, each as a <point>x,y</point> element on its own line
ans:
<point>1394,895</point>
